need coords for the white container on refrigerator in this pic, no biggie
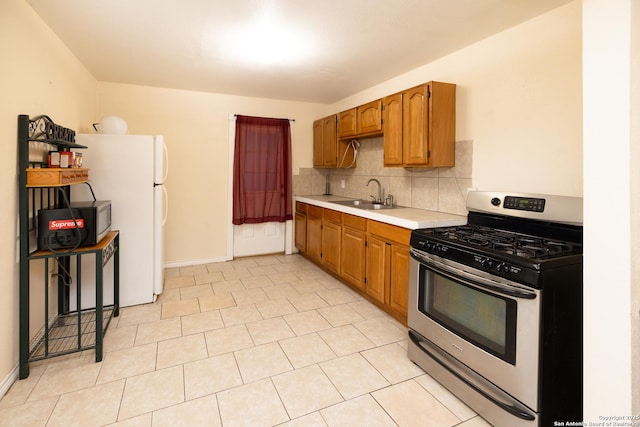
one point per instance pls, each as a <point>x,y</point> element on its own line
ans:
<point>130,171</point>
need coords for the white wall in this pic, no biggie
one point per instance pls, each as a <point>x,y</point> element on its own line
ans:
<point>38,75</point>
<point>635,207</point>
<point>610,158</point>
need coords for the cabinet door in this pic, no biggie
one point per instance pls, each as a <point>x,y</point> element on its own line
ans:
<point>318,151</point>
<point>369,120</point>
<point>399,279</point>
<point>442,123</point>
<point>301,231</point>
<point>329,142</point>
<point>353,256</point>
<point>347,123</point>
<point>376,266</point>
<point>314,233</point>
<point>392,127</point>
<point>415,117</point>
<point>331,233</point>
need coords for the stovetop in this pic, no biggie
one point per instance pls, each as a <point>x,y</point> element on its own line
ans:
<point>496,241</point>
<point>516,236</point>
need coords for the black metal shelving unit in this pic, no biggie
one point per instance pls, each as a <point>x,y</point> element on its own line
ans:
<point>65,331</point>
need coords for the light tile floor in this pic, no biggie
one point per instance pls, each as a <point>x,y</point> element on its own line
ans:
<point>261,341</point>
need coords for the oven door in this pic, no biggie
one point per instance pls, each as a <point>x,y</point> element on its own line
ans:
<point>489,325</point>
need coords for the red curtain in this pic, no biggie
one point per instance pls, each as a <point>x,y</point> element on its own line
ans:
<point>262,171</point>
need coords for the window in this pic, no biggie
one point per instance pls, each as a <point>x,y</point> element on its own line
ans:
<point>262,171</point>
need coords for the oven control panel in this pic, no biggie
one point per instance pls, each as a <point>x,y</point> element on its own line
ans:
<point>522,203</point>
<point>488,264</point>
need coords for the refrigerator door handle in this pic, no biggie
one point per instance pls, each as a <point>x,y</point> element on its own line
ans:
<point>166,205</point>
<point>165,153</point>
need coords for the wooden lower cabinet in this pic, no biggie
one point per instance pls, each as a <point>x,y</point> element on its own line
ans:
<point>353,256</point>
<point>399,278</point>
<point>370,256</point>
<point>387,272</point>
<point>300,226</point>
<point>354,239</point>
<point>377,266</point>
<point>331,254</point>
<point>314,233</point>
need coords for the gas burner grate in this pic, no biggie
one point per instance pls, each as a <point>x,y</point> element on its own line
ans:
<point>505,242</point>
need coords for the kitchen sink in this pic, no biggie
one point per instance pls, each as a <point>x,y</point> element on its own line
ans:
<point>365,204</point>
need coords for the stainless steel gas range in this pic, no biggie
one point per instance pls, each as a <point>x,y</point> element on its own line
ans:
<point>495,307</point>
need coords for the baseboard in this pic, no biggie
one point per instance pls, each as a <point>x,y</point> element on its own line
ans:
<point>8,381</point>
<point>188,263</point>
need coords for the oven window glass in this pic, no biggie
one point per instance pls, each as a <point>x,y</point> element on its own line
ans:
<point>482,318</point>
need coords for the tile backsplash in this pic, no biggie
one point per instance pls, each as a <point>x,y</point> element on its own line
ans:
<point>437,189</point>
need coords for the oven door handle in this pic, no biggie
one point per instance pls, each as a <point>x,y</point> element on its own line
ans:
<point>472,379</point>
<point>480,282</point>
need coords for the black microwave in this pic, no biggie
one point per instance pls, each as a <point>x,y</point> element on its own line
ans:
<point>80,224</point>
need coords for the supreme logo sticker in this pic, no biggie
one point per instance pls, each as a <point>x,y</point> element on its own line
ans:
<point>65,224</point>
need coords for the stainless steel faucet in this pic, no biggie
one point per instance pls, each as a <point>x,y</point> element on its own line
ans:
<point>379,199</point>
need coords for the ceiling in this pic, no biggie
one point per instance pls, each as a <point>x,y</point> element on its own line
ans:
<point>323,51</point>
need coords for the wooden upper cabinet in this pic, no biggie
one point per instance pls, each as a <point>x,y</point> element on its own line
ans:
<point>330,142</point>
<point>369,121</point>
<point>347,123</point>
<point>415,112</point>
<point>392,127</point>
<point>442,123</point>
<point>325,142</point>
<point>419,126</point>
<point>365,120</point>
<point>318,129</point>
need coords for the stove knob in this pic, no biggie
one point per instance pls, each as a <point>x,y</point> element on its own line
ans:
<point>503,268</point>
<point>495,201</point>
<point>487,263</point>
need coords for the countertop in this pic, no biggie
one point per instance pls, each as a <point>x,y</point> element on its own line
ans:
<point>411,218</point>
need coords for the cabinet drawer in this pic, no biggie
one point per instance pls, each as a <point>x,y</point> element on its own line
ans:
<point>331,215</point>
<point>314,211</point>
<point>389,232</point>
<point>52,177</point>
<point>301,207</point>
<point>353,221</point>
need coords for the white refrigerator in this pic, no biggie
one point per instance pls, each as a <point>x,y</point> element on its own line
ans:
<point>130,171</point>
